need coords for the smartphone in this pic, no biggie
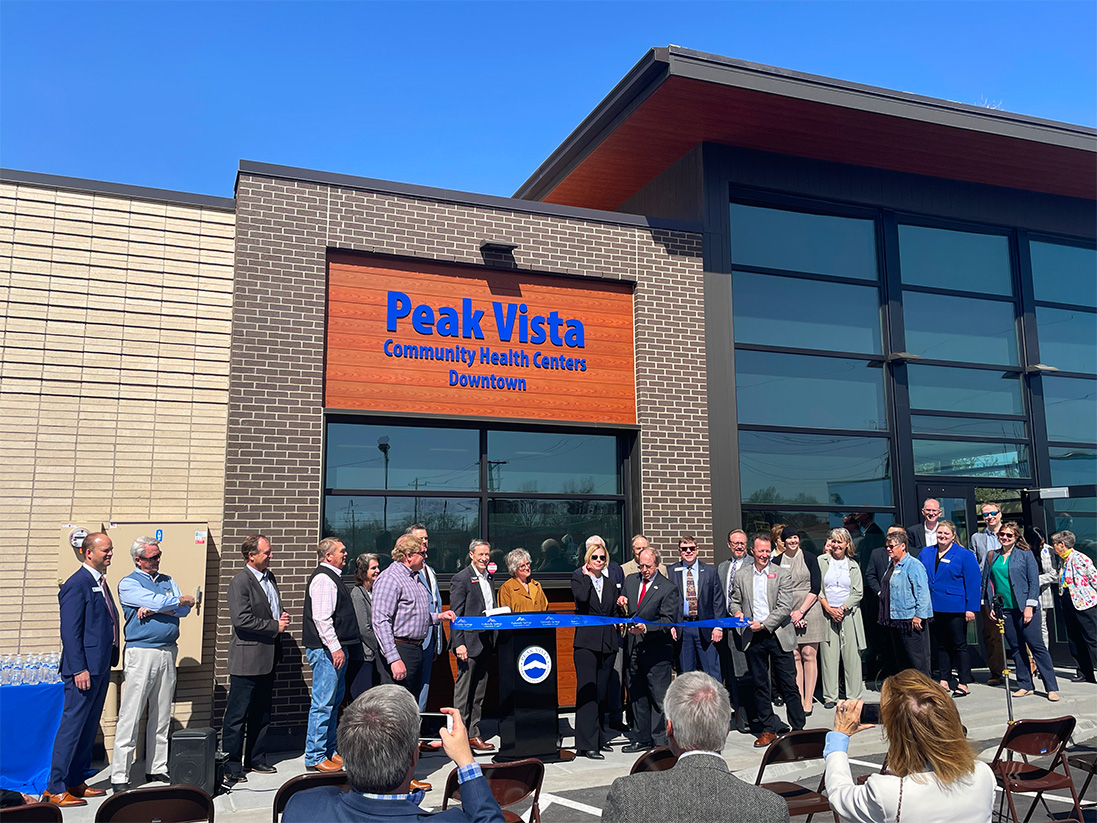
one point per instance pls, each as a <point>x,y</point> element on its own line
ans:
<point>432,723</point>
<point>870,713</point>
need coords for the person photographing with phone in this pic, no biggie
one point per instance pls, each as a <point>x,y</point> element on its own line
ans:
<point>379,739</point>
<point>932,774</point>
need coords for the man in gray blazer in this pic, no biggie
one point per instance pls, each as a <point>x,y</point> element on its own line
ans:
<point>763,595</point>
<point>733,662</point>
<point>254,652</point>
<point>471,595</point>
<point>699,787</point>
<point>649,649</point>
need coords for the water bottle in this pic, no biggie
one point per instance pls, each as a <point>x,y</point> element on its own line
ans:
<point>17,671</point>
<point>32,671</point>
<point>5,670</point>
<point>51,668</point>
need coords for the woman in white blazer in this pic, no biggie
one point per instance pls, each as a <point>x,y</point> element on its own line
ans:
<point>933,776</point>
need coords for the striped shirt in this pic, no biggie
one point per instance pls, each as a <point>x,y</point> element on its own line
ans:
<point>401,608</point>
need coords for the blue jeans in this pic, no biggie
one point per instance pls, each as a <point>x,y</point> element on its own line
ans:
<point>1018,636</point>
<point>328,684</point>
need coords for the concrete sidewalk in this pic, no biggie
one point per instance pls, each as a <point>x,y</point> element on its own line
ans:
<point>984,714</point>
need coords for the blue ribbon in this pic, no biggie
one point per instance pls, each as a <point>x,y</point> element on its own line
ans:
<point>558,621</point>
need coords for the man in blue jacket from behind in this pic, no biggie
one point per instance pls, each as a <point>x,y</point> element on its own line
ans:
<point>379,743</point>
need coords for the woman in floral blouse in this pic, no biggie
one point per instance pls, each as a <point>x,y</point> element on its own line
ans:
<point>1078,599</point>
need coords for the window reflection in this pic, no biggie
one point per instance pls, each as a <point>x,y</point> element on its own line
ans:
<point>372,524</point>
<point>1073,467</point>
<point>1064,274</point>
<point>816,392</point>
<point>942,388</point>
<point>553,463</point>
<point>965,458</point>
<point>1078,515</point>
<point>799,241</point>
<point>372,456</point>
<point>866,528</point>
<point>554,532</point>
<point>805,314</point>
<point>1070,408</point>
<point>811,469</point>
<point>942,327</point>
<point>961,260</point>
<point>1068,339</point>
<point>971,426</point>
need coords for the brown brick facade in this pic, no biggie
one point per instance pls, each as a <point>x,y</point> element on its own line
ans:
<point>285,228</point>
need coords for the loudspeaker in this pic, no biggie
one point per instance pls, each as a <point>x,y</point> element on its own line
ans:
<point>192,759</point>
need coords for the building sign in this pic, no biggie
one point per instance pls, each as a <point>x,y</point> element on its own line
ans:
<point>456,340</point>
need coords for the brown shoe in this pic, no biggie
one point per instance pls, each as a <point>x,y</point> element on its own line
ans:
<point>764,740</point>
<point>324,766</point>
<point>478,745</point>
<point>84,790</point>
<point>420,786</point>
<point>64,800</point>
<point>337,759</point>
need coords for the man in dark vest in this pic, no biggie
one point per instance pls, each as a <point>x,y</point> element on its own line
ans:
<point>329,627</point>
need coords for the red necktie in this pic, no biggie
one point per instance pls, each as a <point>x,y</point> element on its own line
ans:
<point>643,591</point>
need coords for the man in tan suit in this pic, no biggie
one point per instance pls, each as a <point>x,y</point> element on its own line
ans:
<point>762,594</point>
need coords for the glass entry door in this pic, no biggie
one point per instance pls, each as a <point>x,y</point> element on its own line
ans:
<point>962,504</point>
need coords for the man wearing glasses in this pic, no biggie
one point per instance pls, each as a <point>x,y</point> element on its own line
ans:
<point>699,588</point>
<point>471,595</point>
<point>924,534</point>
<point>982,543</point>
<point>151,605</point>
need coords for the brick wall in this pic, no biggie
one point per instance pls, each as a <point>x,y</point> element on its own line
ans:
<point>113,390</point>
<point>273,478</point>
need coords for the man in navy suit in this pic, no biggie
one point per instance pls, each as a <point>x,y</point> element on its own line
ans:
<point>89,647</point>
<point>650,650</point>
<point>379,739</point>
<point>699,588</point>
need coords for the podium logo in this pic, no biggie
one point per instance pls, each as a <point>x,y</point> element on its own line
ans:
<point>534,664</point>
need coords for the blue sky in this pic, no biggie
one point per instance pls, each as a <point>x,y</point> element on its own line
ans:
<point>468,96</point>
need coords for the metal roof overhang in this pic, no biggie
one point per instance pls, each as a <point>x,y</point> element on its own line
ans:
<point>675,99</point>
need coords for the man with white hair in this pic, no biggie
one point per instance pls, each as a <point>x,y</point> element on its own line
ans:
<point>151,606</point>
<point>699,786</point>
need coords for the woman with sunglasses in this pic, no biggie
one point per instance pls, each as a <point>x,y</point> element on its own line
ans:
<point>1012,574</point>
<point>1077,588</point>
<point>595,648</point>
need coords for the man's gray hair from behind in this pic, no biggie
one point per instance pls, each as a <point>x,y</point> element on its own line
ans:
<point>378,736</point>
<point>699,709</point>
<point>138,546</point>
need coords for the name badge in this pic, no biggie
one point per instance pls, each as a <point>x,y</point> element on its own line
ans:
<point>771,575</point>
<point>97,589</point>
<point>945,560</point>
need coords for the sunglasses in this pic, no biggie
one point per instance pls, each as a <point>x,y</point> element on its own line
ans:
<point>597,557</point>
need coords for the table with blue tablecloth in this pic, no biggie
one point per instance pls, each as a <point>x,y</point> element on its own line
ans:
<point>29,719</point>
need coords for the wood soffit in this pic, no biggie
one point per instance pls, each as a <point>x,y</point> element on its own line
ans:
<point>683,112</point>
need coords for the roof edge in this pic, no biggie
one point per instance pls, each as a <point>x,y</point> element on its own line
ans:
<point>55,181</point>
<point>459,197</point>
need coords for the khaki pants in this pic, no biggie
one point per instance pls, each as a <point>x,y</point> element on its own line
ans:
<point>840,643</point>
<point>150,677</point>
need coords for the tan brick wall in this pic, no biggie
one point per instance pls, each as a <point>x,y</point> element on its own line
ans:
<point>115,337</point>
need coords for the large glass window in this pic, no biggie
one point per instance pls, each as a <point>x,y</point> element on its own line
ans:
<point>959,260</point>
<point>969,426</point>
<point>817,392</point>
<point>969,458</point>
<point>1064,274</point>
<point>866,528</point>
<point>1070,407</point>
<point>553,462</point>
<point>1073,466</point>
<point>806,314</point>
<point>799,241</point>
<point>516,488</point>
<point>1068,339</point>
<point>942,388</point>
<point>942,327</point>
<point>815,469</point>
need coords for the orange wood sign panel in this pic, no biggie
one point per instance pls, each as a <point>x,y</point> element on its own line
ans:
<point>454,340</point>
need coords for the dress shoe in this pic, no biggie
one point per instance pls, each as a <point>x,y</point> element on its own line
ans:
<point>424,747</point>
<point>119,787</point>
<point>324,766</point>
<point>591,755</point>
<point>478,745</point>
<point>783,729</point>
<point>421,786</point>
<point>636,748</point>
<point>264,768</point>
<point>619,727</point>
<point>337,759</point>
<point>64,800</point>
<point>994,681</point>
<point>764,740</point>
<point>830,704</point>
<point>605,747</point>
<point>740,723</point>
<point>84,790</point>
<point>157,778</point>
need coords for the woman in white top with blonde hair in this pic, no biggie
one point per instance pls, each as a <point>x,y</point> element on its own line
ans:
<point>932,774</point>
<point>840,599</point>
